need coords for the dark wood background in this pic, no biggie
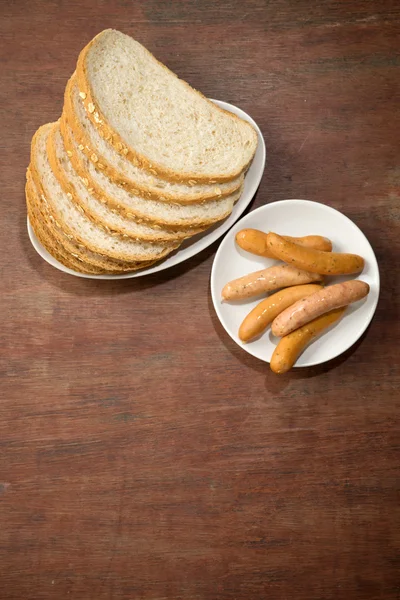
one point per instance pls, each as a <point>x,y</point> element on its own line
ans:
<point>142,454</point>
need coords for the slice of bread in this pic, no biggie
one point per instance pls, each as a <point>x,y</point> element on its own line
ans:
<point>97,211</point>
<point>58,239</point>
<point>174,216</point>
<point>72,220</point>
<point>123,172</point>
<point>58,253</point>
<point>155,119</point>
<point>50,243</point>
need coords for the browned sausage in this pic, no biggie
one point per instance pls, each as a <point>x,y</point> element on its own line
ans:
<point>255,241</point>
<point>315,261</point>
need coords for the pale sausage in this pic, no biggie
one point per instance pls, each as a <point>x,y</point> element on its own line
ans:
<point>305,310</point>
<point>266,280</point>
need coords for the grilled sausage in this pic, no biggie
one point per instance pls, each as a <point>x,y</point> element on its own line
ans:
<point>255,241</point>
<point>315,261</point>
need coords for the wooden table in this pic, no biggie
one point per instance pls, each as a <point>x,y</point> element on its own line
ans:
<point>143,454</point>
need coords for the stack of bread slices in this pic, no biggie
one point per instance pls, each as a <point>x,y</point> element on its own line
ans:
<point>138,162</point>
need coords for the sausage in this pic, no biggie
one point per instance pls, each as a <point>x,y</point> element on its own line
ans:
<point>290,347</point>
<point>305,310</point>
<point>266,280</point>
<point>315,261</point>
<point>265,312</point>
<point>255,241</point>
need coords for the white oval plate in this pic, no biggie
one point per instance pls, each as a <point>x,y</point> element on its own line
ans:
<point>296,218</point>
<point>198,242</point>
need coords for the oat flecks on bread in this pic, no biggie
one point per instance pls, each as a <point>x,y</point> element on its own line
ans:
<point>167,215</point>
<point>61,242</point>
<point>123,172</point>
<point>156,120</point>
<point>72,219</point>
<point>96,210</point>
<point>59,239</point>
<point>49,242</point>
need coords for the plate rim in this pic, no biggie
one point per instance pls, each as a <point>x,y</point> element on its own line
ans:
<point>218,232</point>
<point>216,304</point>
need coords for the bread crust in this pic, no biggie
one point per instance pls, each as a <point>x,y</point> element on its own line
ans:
<point>62,241</point>
<point>127,264</point>
<point>50,242</point>
<point>99,120</point>
<point>51,245</point>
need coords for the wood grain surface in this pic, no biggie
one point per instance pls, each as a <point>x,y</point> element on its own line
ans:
<point>142,454</point>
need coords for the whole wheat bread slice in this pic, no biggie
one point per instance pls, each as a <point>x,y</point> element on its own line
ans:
<point>156,120</point>
<point>162,214</point>
<point>72,220</point>
<point>123,172</point>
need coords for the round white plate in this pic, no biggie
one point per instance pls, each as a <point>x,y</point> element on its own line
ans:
<point>199,242</point>
<point>296,218</point>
